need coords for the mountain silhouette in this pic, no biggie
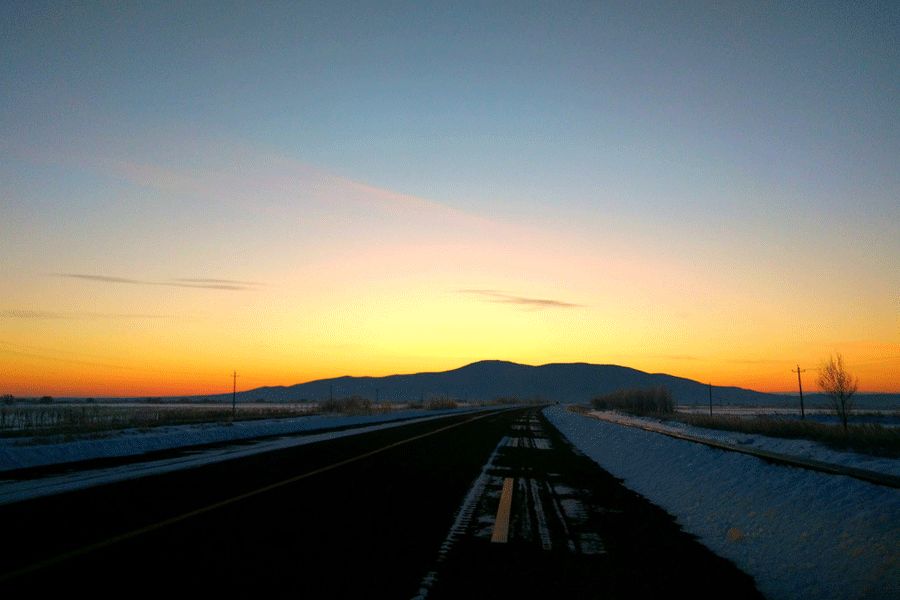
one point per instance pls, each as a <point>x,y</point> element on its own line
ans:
<point>492,379</point>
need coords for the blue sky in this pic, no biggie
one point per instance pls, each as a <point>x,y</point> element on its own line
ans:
<point>754,146</point>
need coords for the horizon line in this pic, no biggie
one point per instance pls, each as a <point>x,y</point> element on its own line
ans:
<point>793,394</point>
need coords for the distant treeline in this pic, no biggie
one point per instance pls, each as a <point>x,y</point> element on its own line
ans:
<point>10,399</point>
<point>648,401</point>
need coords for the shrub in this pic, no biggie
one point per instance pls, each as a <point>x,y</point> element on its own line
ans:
<point>503,400</point>
<point>637,401</point>
<point>352,405</point>
<point>440,403</point>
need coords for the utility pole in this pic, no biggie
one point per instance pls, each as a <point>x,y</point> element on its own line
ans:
<point>800,385</point>
<point>234,396</point>
<point>710,399</point>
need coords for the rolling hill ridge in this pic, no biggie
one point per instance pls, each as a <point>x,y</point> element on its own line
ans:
<point>492,379</point>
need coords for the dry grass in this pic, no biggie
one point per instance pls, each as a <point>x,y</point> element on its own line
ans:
<point>440,404</point>
<point>868,438</point>
<point>355,405</point>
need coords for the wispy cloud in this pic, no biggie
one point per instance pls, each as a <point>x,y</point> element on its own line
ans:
<point>757,361</point>
<point>206,286</point>
<point>102,278</point>
<point>18,313</point>
<point>78,358</point>
<point>247,173</point>
<point>677,356</point>
<point>505,298</point>
<point>219,281</point>
<point>191,282</point>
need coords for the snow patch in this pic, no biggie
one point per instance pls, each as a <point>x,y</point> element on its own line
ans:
<point>799,533</point>
<point>807,449</point>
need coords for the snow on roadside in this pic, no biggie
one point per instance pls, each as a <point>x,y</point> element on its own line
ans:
<point>17,491</point>
<point>18,453</point>
<point>802,448</point>
<point>799,533</point>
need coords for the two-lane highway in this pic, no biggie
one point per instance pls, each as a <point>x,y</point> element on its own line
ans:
<point>393,513</point>
<point>328,519</point>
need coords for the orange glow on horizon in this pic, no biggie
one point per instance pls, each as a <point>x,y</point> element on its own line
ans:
<point>441,190</point>
<point>351,279</point>
<point>38,377</point>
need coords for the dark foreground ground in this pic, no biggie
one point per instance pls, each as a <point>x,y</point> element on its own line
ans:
<point>398,513</point>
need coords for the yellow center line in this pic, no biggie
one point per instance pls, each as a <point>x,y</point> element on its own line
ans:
<point>501,523</point>
<point>220,504</point>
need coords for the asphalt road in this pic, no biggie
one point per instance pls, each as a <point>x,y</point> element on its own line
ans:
<point>398,513</point>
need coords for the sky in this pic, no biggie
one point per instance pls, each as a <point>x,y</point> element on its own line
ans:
<point>305,190</point>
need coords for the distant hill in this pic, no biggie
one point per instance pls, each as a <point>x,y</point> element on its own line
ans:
<point>558,382</point>
<point>491,379</point>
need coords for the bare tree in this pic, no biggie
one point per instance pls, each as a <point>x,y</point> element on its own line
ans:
<point>839,385</point>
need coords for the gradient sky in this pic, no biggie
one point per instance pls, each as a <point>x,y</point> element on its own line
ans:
<point>305,190</point>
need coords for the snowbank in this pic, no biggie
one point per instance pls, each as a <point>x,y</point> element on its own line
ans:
<point>17,453</point>
<point>800,534</point>
<point>807,449</point>
<point>17,491</point>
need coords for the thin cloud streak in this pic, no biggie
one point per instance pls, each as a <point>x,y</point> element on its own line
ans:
<point>217,281</point>
<point>276,175</point>
<point>677,356</point>
<point>504,298</point>
<point>204,286</point>
<point>200,283</point>
<point>15,313</point>
<point>758,361</point>
<point>40,353</point>
<point>102,278</point>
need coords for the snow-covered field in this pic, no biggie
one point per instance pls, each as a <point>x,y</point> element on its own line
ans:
<point>800,534</point>
<point>807,449</point>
